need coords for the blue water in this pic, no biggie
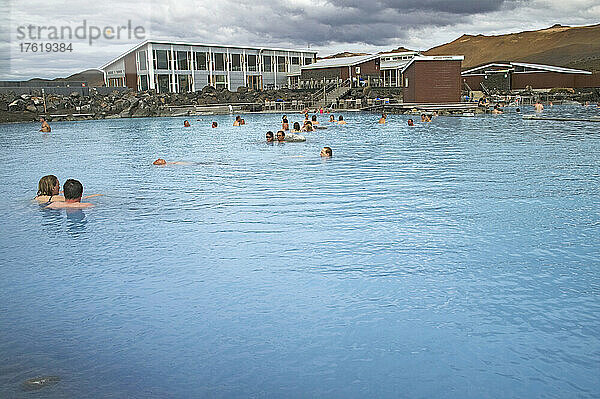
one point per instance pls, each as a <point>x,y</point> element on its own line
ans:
<point>456,259</point>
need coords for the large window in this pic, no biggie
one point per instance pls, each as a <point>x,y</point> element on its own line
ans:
<point>220,81</point>
<point>161,59</point>
<point>267,63</point>
<point>307,61</point>
<point>144,82</point>
<point>295,60</point>
<point>219,61</point>
<point>280,64</point>
<point>142,60</point>
<point>201,61</point>
<point>236,62</point>
<point>162,82</point>
<point>182,60</point>
<point>184,83</point>
<point>251,59</point>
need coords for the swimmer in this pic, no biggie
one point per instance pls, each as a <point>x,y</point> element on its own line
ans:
<point>332,118</point>
<point>341,121</point>
<point>49,189</point>
<point>242,121</point>
<point>73,190</point>
<point>215,124</point>
<point>285,125</point>
<point>162,162</point>
<point>281,136</point>
<point>497,110</point>
<point>45,126</point>
<point>186,124</point>
<point>237,121</point>
<point>296,127</point>
<point>308,127</point>
<point>410,122</point>
<point>269,136</point>
<point>382,119</point>
<point>518,110</point>
<point>538,107</point>
<point>314,120</point>
<point>326,152</point>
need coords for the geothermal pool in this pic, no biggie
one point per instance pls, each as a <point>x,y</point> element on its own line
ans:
<point>454,259</point>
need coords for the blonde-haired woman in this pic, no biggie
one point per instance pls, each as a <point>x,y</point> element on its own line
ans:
<point>48,190</point>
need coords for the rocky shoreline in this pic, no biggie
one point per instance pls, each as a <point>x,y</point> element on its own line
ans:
<point>132,104</point>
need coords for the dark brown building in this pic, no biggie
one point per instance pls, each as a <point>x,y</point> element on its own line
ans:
<point>432,79</point>
<point>362,68</point>
<point>519,75</point>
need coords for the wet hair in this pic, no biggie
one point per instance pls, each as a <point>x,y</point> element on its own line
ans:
<point>332,117</point>
<point>237,118</point>
<point>328,151</point>
<point>284,117</point>
<point>215,124</point>
<point>296,125</point>
<point>314,117</point>
<point>518,109</point>
<point>285,120</point>
<point>269,134</point>
<point>47,184</point>
<point>282,132</point>
<point>341,118</point>
<point>73,189</point>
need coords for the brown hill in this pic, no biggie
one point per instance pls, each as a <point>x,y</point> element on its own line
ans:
<point>574,47</point>
<point>341,55</point>
<point>93,77</point>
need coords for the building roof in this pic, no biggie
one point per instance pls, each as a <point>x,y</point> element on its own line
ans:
<point>550,68</point>
<point>433,58</point>
<point>486,66</point>
<point>397,63</point>
<point>482,69</point>
<point>203,45</point>
<point>340,62</point>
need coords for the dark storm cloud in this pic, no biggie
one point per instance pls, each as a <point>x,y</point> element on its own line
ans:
<point>376,22</point>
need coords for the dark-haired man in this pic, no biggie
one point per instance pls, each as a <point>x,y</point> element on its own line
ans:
<point>73,190</point>
<point>281,136</point>
<point>269,136</point>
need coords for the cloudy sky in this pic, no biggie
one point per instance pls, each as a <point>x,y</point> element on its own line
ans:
<point>327,26</point>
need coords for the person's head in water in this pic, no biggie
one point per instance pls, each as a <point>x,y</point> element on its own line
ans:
<point>410,122</point>
<point>159,161</point>
<point>186,123</point>
<point>281,136</point>
<point>284,117</point>
<point>326,152</point>
<point>242,121</point>
<point>73,190</point>
<point>341,118</point>
<point>331,118</point>
<point>518,109</point>
<point>269,136</point>
<point>237,118</point>
<point>48,185</point>
<point>215,124</point>
<point>314,118</point>
<point>296,125</point>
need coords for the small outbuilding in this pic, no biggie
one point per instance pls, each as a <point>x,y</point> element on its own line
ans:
<point>361,69</point>
<point>432,79</point>
<point>508,76</point>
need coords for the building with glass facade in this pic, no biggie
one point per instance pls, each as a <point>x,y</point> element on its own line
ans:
<point>175,67</point>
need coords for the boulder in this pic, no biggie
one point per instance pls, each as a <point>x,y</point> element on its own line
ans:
<point>74,94</point>
<point>31,108</point>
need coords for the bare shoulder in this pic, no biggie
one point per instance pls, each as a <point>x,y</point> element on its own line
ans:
<point>46,198</point>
